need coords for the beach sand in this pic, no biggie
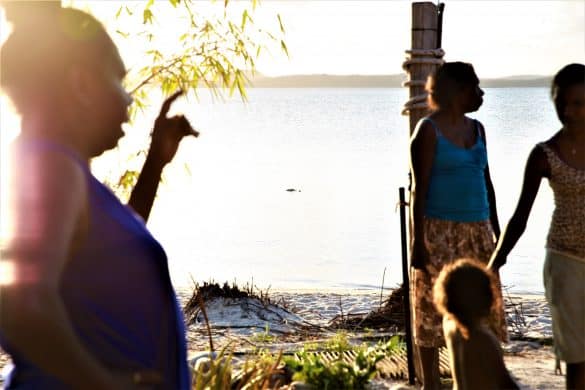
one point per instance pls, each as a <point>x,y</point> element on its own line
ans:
<point>528,355</point>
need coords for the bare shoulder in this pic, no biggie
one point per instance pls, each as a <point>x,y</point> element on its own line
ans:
<point>451,331</point>
<point>537,162</point>
<point>477,124</point>
<point>424,133</point>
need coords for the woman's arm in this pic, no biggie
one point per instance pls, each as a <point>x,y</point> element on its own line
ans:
<point>536,168</point>
<point>491,194</point>
<point>166,136</point>
<point>47,204</point>
<point>422,153</point>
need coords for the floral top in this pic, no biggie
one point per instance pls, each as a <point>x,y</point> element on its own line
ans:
<point>567,229</point>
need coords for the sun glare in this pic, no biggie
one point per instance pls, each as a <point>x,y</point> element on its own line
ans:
<point>7,273</point>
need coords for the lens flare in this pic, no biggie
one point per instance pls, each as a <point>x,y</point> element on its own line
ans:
<point>7,273</point>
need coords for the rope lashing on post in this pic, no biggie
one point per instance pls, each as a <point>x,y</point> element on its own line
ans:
<point>419,56</point>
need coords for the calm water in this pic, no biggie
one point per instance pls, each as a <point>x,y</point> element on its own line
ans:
<point>223,212</point>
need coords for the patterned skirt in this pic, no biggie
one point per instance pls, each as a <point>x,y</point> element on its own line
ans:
<point>446,242</point>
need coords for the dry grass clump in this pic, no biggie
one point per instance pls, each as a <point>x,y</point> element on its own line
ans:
<point>389,316</point>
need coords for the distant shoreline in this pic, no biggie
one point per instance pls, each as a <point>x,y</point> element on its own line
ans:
<point>382,81</point>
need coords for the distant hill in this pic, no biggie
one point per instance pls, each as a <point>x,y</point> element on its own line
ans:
<point>379,81</point>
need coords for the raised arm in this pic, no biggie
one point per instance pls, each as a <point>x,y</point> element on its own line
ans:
<point>536,168</point>
<point>490,192</point>
<point>166,136</point>
<point>422,153</point>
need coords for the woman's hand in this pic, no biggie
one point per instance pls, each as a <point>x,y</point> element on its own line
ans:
<point>419,258</point>
<point>168,132</point>
<point>166,136</point>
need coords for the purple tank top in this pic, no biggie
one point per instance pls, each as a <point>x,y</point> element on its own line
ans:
<point>118,294</point>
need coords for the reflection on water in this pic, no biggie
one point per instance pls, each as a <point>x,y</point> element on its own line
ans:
<point>230,217</point>
<point>224,213</point>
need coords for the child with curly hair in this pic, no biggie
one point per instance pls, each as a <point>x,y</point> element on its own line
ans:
<point>464,294</point>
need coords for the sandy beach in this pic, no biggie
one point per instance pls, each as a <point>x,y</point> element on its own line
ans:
<point>301,316</point>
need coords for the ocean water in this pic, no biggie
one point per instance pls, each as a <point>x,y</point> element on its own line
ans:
<point>223,212</point>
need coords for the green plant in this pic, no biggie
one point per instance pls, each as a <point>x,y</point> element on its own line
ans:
<point>262,337</point>
<point>340,374</point>
<point>391,346</point>
<point>214,373</point>
<point>264,370</point>
<point>337,375</point>
<point>338,343</point>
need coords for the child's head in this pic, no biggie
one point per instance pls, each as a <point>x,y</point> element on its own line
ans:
<point>567,92</point>
<point>454,82</point>
<point>465,291</point>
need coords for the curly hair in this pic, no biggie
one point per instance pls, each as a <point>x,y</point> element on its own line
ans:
<point>465,291</point>
<point>447,81</point>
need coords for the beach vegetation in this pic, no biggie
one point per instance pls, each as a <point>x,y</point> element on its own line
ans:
<point>338,343</point>
<point>342,372</point>
<point>263,370</point>
<point>338,374</point>
<point>263,337</point>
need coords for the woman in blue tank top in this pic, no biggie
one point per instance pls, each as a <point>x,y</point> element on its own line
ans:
<point>453,203</point>
<point>86,297</point>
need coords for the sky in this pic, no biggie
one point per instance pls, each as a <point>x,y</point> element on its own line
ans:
<point>501,38</point>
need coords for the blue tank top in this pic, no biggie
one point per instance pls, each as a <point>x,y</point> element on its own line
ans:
<point>457,189</point>
<point>117,292</point>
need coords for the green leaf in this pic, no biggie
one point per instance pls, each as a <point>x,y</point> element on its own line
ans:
<point>119,12</point>
<point>284,49</point>
<point>280,23</point>
<point>174,3</point>
<point>244,18</point>
<point>122,33</point>
<point>147,16</point>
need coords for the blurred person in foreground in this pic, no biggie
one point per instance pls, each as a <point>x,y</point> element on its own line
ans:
<point>86,300</point>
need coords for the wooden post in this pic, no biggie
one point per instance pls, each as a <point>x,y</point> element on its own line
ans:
<point>405,278</point>
<point>424,36</point>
